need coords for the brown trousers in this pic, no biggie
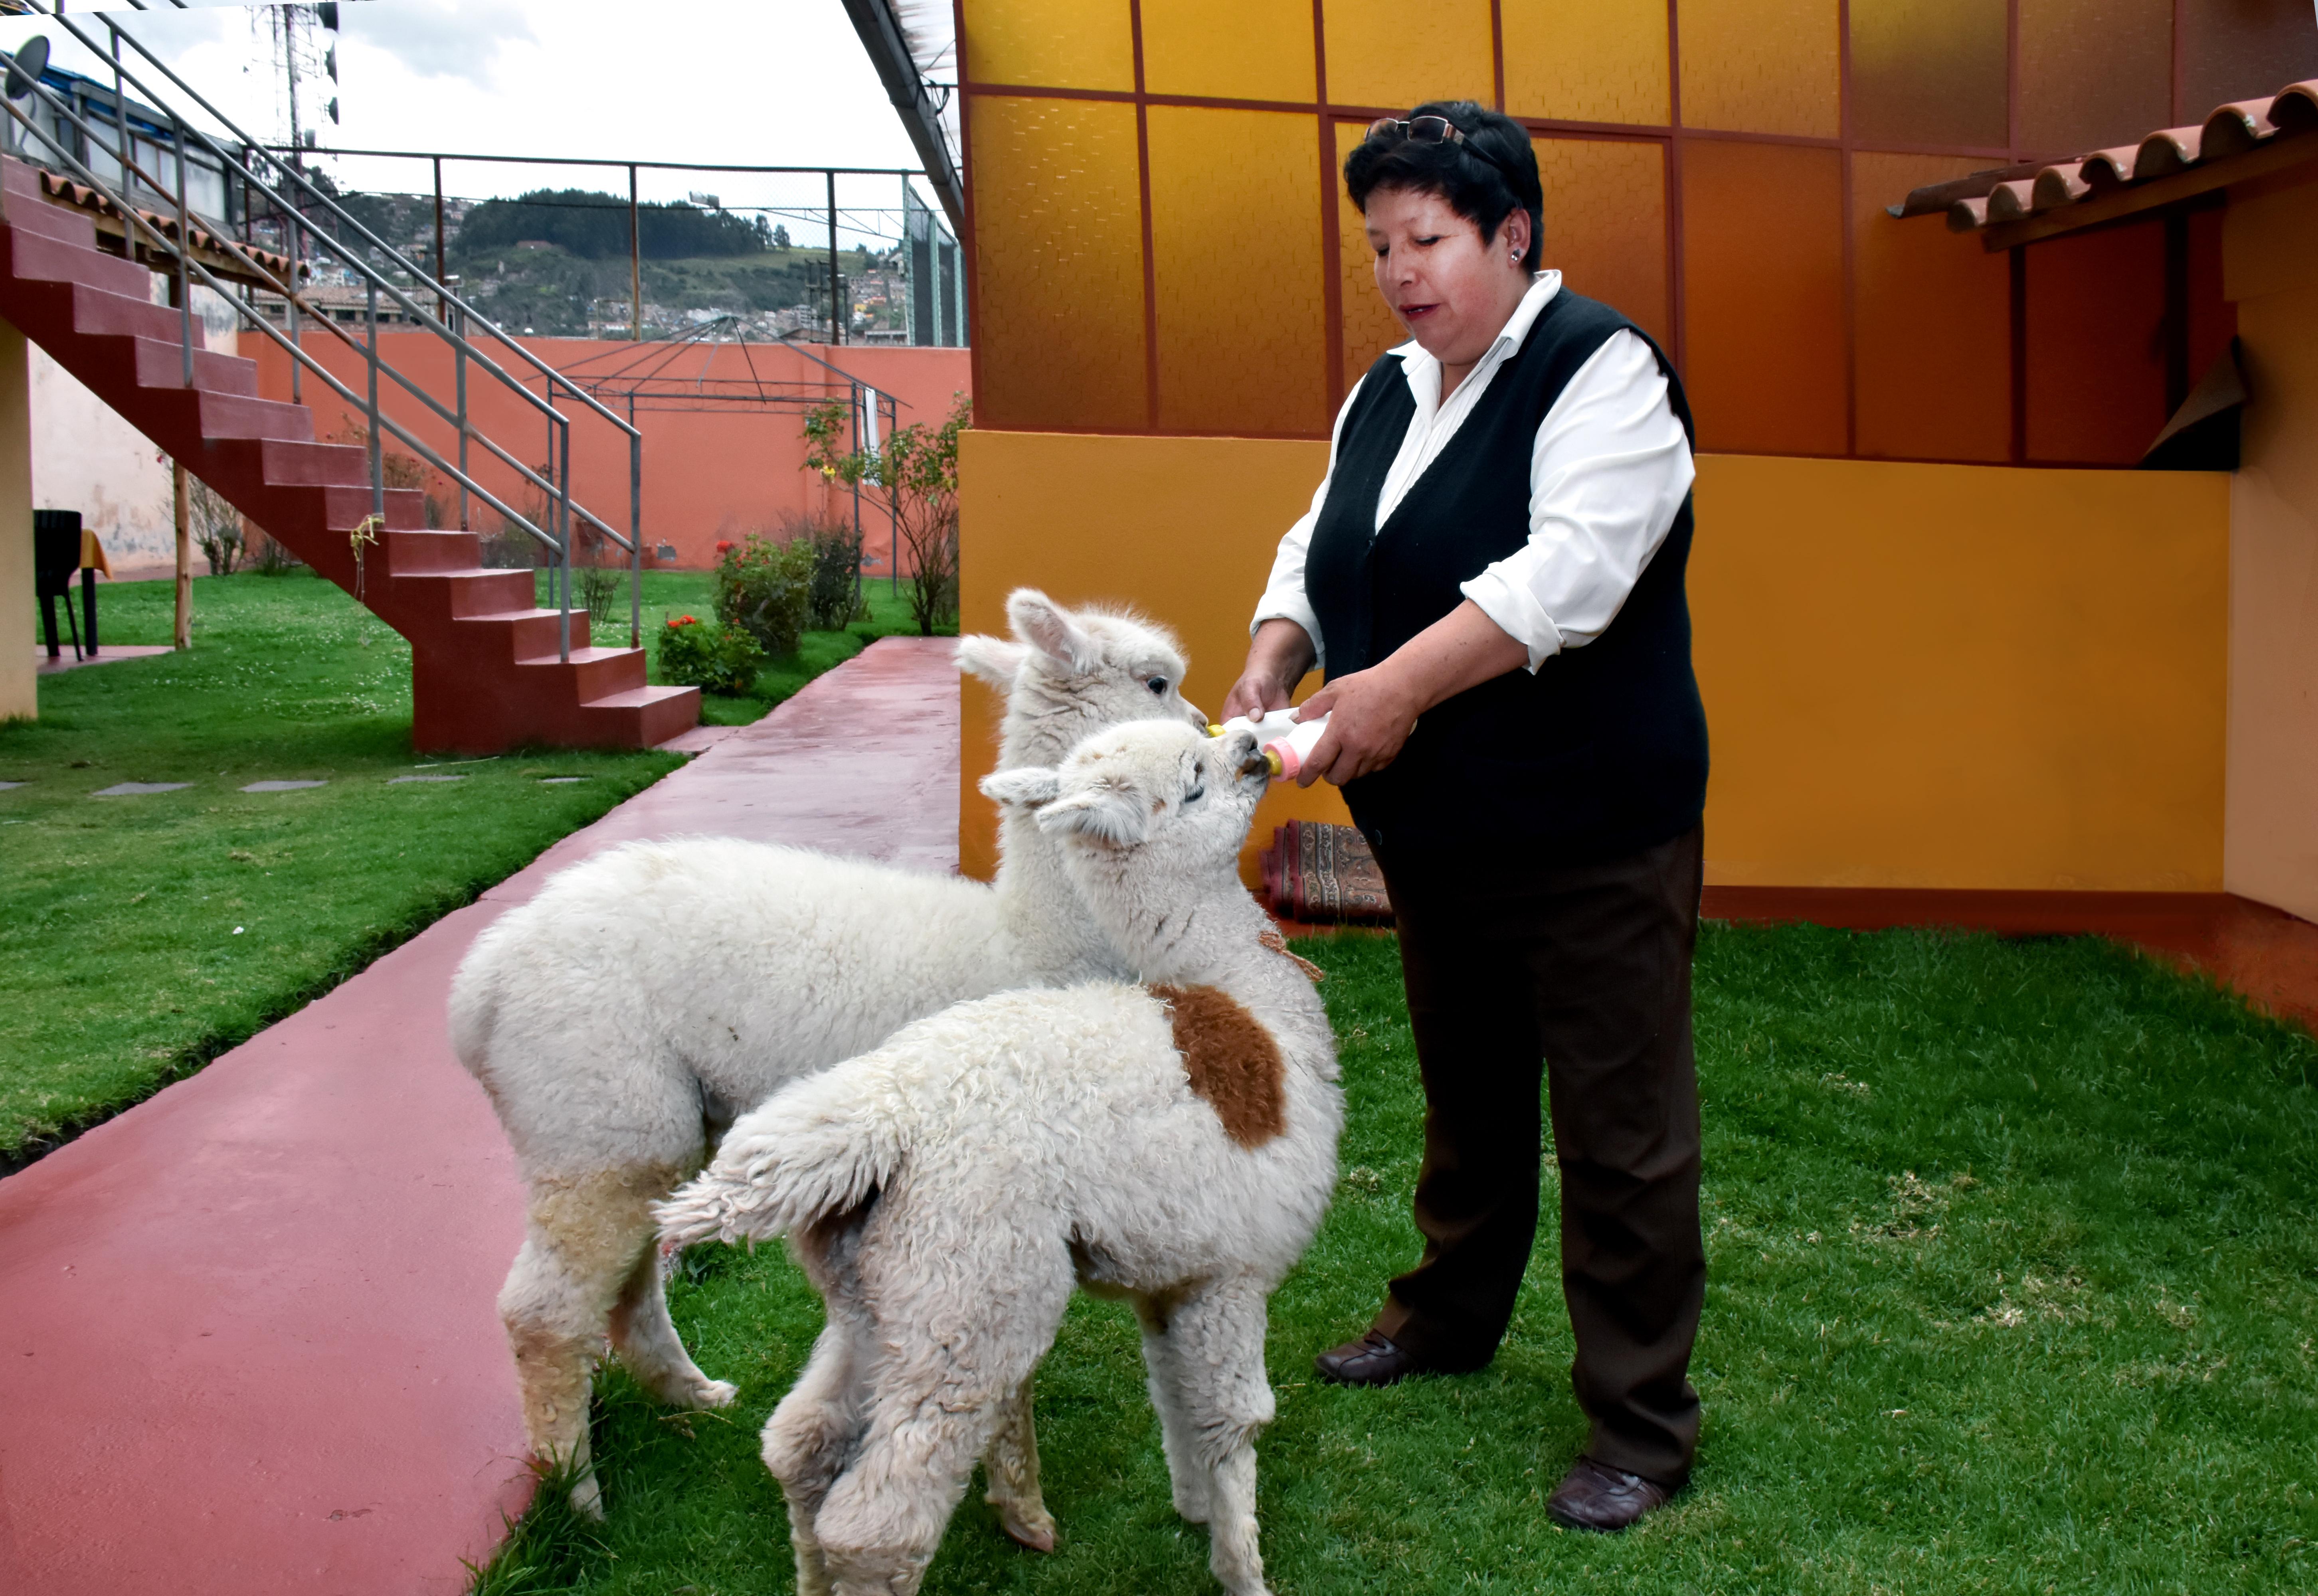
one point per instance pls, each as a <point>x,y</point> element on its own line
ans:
<point>1583,970</point>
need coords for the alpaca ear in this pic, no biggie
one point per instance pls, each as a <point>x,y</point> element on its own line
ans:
<point>1104,814</point>
<point>1050,628</point>
<point>1030,787</point>
<point>994,660</point>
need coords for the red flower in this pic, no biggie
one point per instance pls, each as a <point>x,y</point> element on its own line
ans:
<point>682,621</point>
<point>726,548</point>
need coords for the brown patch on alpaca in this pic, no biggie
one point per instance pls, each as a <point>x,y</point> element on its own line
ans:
<point>1232,1061</point>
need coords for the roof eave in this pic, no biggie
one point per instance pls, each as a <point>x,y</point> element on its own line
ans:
<point>889,51</point>
<point>2278,155</point>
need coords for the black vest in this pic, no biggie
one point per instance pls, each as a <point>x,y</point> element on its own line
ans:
<point>1603,751</point>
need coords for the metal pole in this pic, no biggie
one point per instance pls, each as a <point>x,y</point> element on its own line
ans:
<point>297,340</point>
<point>635,530</point>
<point>635,264</point>
<point>442,267</point>
<point>893,508</point>
<point>120,115</point>
<point>563,518</point>
<point>185,255</point>
<point>836,324</point>
<point>459,364</point>
<point>377,459</point>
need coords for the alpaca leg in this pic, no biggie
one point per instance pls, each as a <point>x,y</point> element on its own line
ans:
<point>645,1338</point>
<point>1012,1466</point>
<point>882,1522</point>
<point>811,1436</point>
<point>585,1238</point>
<point>1226,1400</point>
<point>555,1337</point>
<point>1162,1372</point>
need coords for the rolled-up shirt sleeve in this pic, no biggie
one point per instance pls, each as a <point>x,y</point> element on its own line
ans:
<point>1608,474</point>
<point>1283,595</point>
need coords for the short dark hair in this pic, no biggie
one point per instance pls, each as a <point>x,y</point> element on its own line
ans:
<point>1477,189</point>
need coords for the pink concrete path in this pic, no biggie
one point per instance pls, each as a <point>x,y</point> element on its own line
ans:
<point>248,1340</point>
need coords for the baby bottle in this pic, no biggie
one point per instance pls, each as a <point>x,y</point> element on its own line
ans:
<point>1286,742</point>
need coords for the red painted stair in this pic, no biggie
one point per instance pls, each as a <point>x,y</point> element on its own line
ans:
<point>485,669</point>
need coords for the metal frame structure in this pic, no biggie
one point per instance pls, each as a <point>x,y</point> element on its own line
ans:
<point>641,376</point>
<point>317,221</point>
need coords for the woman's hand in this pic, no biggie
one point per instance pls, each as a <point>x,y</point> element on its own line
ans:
<point>1371,713</point>
<point>1277,659</point>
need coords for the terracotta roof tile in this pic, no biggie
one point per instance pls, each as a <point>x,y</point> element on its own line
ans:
<point>2018,193</point>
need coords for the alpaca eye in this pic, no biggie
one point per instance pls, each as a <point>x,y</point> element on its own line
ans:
<point>1195,794</point>
<point>1158,686</point>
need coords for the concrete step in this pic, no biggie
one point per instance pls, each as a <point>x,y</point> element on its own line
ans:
<point>413,552</point>
<point>346,506</point>
<point>44,258</point>
<point>596,673</point>
<point>317,465</point>
<point>647,717</point>
<point>530,635</point>
<point>98,313</point>
<point>159,365</point>
<point>37,213</point>
<point>240,415</point>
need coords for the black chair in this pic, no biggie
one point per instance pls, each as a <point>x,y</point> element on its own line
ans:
<point>56,555</point>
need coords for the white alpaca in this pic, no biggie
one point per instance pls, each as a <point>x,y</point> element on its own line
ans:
<point>624,1017</point>
<point>1173,1144</point>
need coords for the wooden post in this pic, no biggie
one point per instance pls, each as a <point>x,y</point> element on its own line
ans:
<point>185,514</point>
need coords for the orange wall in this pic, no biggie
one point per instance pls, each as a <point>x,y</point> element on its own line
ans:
<point>2272,261</point>
<point>708,474</point>
<point>1915,675</point>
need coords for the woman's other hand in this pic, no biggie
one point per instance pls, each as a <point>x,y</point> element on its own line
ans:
<point>1277,659</point>
<point>1371,713</point>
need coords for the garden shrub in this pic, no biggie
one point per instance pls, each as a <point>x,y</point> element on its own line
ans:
<point>834,599</point>
<point>693,653</point>
<point>765,589</point>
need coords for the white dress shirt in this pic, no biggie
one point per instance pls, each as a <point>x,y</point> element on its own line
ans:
<point>1607,474</point>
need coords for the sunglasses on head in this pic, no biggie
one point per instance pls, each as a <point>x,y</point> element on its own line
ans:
<point>1433,129</point>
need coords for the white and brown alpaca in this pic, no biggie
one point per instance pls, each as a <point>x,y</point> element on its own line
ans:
<point>624,1017</point>
<point>1173,1144</point>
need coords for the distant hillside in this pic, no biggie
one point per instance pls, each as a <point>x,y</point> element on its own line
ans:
<point>556,291</point>
<point>595,227</point>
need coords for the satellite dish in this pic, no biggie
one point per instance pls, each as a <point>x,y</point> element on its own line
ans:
<point>24,71</point>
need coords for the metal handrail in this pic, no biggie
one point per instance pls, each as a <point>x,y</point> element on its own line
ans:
<point>163,241</point>
<point>554,483</point>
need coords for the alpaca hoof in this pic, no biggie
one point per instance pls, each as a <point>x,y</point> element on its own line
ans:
<point>588,1499</point>
<point>715,1393</point>
<point>1033,1531</point>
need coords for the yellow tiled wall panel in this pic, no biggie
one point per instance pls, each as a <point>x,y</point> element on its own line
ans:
<point>1229,50</point>
<point>1369,326</point>
<point>1058,235</point>
<point>1236,270</point>
<point>1052,44</point>
<point>1761,66</point>
<point>2095,73</point>
<point>1393,55</point>
<point>1576,61</point>
<point>1928,71</point>
<point>1605,223</point>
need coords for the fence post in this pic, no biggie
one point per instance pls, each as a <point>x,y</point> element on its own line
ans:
<point>836,312</point>
<point>377,457</point>
<point>442,265</point>
<point>184,252</point>
<point>635,262</point>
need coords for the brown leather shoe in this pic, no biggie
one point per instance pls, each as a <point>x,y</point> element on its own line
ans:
<point>1372,1360</point>
<point>1594,1496</point>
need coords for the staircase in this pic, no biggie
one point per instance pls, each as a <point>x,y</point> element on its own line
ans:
<point>487,672</point>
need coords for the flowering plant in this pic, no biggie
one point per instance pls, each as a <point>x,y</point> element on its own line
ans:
<point>693,653</point>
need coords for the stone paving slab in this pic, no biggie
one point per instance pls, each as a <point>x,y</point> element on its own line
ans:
<point>247,1335</point>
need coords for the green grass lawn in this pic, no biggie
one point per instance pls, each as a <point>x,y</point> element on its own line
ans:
<point>2013,1286</point>
<point>121,965</point>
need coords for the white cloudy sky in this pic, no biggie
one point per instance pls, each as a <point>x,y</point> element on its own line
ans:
<point>756,82</point>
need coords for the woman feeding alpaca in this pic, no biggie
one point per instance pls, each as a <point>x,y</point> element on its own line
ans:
<point>1172,1143</point>
<point>1491,576</point>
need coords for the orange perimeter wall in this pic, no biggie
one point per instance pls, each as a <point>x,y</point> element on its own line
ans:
<point>1928,676</point>
<point>708,474</point>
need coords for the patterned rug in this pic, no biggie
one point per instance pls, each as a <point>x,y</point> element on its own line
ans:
<point>1323,875</point>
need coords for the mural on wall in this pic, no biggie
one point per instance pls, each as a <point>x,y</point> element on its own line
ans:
<point>1162,245</point>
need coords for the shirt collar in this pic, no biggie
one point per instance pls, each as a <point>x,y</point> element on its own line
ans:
<point>1422,371</point>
